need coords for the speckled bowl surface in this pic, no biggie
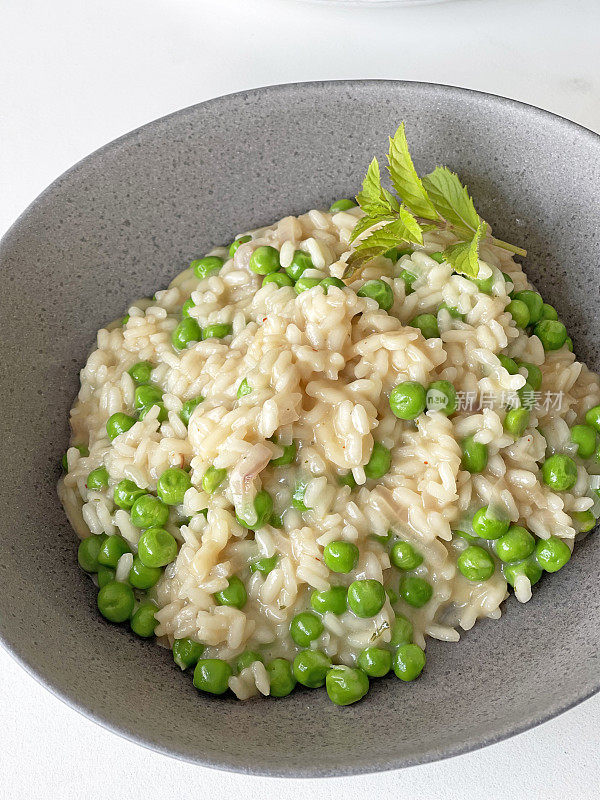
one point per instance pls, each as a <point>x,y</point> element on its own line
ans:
<point>121,224</point>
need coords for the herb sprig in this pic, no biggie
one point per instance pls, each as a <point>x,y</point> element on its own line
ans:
<point>437,201</point>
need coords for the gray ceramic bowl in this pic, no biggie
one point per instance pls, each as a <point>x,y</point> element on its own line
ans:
<point>119,225</point>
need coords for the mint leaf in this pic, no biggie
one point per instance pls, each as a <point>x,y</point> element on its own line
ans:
<point>365,223</point>
<point>451,199</point>
<point>464,256</point>
<point>380,241</point>
<point>413,232</point>
<point>374,200</point>
<point>405,179</point>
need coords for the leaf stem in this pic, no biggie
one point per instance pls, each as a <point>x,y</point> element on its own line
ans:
<point>512,248</point>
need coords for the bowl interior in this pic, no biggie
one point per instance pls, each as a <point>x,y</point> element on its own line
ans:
<point>118,226</point>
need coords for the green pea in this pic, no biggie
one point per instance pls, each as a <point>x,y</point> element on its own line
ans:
<point>289,454</point>
<point>427,324</point>
<point>344,204</point>
<point>340,556</point>
<point>375,662</point>
<point>549,312</point>
<point>217,331</point>
<point>408,400</point>
<point>516,421</point>
<point>379,463</point>
<point>143,577</point>
<point>334,600</point>
<point>476,564</point>
<point>585,438</point>
<point>533,302</point>
<point>148,511</point>
<point>415,591</point>
<point>305,627</point>
<point>186,332</point>
<point>402,631</point>
<point>593,418</point>
<point>188,409</point>
<point>264,259</point>
<point>439,257</point>
<point>551,333</point>
<point>212,479</point>
<point>516,544</point>
<point>97,479</point>
<point>105,575</point>
<point>584,521</point>
<point>185,308</point>
<point>281,677</point>
<point>212,675</point>
<point>162,412</point>
<point>209,265</point>
<point>569,344</point>
<point>88,551</point>
<point>509,364</point>
<point>526,396</point>
<point>116,601</point>
<point>404,556</point>
<point>310,668</point>
<point>378,290</point>
<point>508,279</point>
<point>474,455</point>
<point>186,652</point>
<point>484,285</point>
<point>264,565</point>
<point>141,372</point>
<point>488,526</point>
<point>366,597</point>
<point>279,278</point>
<point>125,494</point>
<point>156,548</point>
<point>441,396</point>
<point>303,284</point>
<point>119,423</point>
<point>125,319</point>
<point>392,596</point>
<point>236,243</point>
<point>454,312</point>
<point>529,567</point>
<point>298,495</point>
<point>347,480</point>
<point>113,547</point>
<point>552,554</point>
<point>326,283</point>
<point>234,595</point>
<point>346,685</point>
<point>300,263</point>
<point>409,660</point>
<point>243,389</point>
<point>246,659</point>
<point>409,280</point>
<point>263,506</point>
<point>172,486</point>
<point>143,621</point>
<point>519,311</point>
<point>534,375</point>
<point>559,472</point>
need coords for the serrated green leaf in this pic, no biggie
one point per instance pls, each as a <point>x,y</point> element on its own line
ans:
<point>374,200</point>
<point>365,223</point>
<point>413,230</point>
<point>451,199</point>
<point>360,258</point>
<point>464,256</point>
<point>405,179</point>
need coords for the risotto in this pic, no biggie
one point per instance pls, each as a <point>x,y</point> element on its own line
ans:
<point>288,478</point>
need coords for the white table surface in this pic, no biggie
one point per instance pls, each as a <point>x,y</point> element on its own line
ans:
<point>75,74</point>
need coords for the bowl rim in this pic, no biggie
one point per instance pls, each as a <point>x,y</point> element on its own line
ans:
<point>14,649</point>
